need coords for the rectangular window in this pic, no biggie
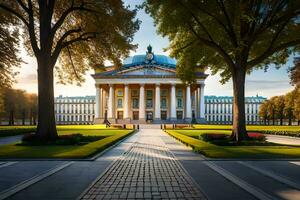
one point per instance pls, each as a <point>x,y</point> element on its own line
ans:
<point>149,93</point>
<point>135,115</point>
<point>135,103</point>
<point>163,103</point>
<point>179,102</point>
<point>149,103</point>
<point>179,115</point>
<point>120,93</point>
<point>179,92</point>
<point>120,103</point>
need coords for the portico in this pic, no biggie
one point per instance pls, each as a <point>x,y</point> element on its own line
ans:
<point>144,90</point>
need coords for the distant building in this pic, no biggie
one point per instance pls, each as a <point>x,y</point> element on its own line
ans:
<point>74,110</point>
<point>218,109</point>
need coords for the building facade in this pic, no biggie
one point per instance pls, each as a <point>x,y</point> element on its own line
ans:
<point>146,89</point>
<point>219,109</point>
<point>74,110</point>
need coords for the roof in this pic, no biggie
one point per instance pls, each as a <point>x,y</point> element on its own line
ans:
<point>161,60</point>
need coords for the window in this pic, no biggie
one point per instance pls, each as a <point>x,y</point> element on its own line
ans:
<point>149,93</point>
<point>135,103</point>
<point>179,92</point>
<point>135,115</point>
<point>120,93</point>
<point>179,115</point>
<point>120,103</point>
<point>163,115</point>
<point>179,102</point>
<point>149,103</point>
<point>163,103</point>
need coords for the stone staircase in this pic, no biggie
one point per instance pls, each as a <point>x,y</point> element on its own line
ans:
<point>150,126</point>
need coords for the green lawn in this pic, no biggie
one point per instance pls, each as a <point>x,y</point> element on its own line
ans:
<point>214,151</point>
<point>250,127</point>
<point>68,151</point>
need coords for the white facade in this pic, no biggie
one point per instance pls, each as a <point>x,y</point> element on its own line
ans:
<point>219,110</point>
<point>74,110</point>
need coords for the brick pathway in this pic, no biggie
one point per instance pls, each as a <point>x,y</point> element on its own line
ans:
<point>148,170</point>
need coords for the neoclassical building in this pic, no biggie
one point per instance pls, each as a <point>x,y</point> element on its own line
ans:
<point>219,109</point>
<point>147,89</point>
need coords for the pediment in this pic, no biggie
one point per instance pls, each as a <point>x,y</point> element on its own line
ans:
<point>144,71</point>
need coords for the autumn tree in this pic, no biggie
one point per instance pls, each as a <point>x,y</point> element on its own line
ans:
<point>78,33</point>
<point>289,101</point>
<point>279,108</point>
<point>263,112</point>
<point>296,110</point>
<point>295,72</point>
<point>230,37</point>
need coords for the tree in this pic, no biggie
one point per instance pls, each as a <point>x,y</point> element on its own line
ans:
<point>279,108</point>
<point>231,37</point>
<point>272,109</point>
<point>263,111</point>
<point>289,100</point>
<point>295,72</point>
<point>80,33</point>
<point>296,110</point>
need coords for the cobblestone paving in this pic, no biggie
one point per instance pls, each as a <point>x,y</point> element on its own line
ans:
<point>147,170</point>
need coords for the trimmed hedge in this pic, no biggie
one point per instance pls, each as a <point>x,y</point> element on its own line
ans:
<point>283,133</point>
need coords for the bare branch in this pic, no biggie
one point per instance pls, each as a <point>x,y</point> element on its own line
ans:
<point>72,64</point>
<point>20,2</point>
<point>31,29</point>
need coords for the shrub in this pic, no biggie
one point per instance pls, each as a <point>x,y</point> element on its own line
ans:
<point>208,137</point>
<point>256,136</point>
<point>72,139</point>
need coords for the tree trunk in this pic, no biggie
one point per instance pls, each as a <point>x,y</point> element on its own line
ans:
<point>239,126</point>
<point>46,128</point>
<point>290,120</point>
<point>11,118</point>
<point>23,117</point>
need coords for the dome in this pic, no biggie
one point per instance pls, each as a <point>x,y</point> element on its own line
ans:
<point>149,59</point>
<point>159,59</point>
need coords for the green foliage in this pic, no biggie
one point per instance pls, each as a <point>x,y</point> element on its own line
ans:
<point>17,104</point>
<point>66,151</point>
<point>215,151</point>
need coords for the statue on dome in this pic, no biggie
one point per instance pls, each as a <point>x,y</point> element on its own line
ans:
<point>149,54</point>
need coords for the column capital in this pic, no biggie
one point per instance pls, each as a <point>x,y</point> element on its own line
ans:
<point>126,84</point>
<point>157,84</point>
<point>173,84</point>
<point>111,85</point>
<point>142,84</point>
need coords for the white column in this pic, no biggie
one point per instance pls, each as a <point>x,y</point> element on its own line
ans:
<point>110,111</point>
<point>157,101</point>
<point>98,101</point>
<point>173,102</point>
<point>202,107</point>
<point>142,102</point>
<point>196,103</point>
<point>126,96</point>
<point>188,105</point>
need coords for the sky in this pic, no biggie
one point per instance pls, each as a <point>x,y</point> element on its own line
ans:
<point>267,84</point>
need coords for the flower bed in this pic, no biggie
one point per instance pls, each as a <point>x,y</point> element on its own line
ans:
<point>208,137</point>
<point>256,136</point>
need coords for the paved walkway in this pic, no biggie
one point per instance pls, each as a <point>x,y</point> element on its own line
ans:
<point>10,139</point>
<point>283,139</point>
<point>148,170</point>
<point>150,164</point>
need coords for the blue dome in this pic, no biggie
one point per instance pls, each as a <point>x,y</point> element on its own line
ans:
<point>157,59</point>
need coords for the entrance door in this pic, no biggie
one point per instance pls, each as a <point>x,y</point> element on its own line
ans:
<point>149,116</point>
<point>135,115</point>
<point>163,115</point>
<point>120,114</point>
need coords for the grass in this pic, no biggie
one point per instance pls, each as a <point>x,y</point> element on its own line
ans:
<point>68,151</point>
<point>250,127</point>
<point>244,152</point>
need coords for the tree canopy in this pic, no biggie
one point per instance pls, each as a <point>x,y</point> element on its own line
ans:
<point>79,33</point>
<point>230,37</point>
